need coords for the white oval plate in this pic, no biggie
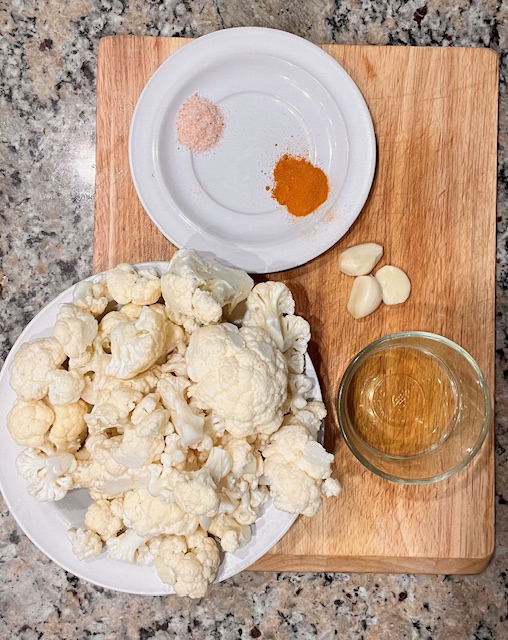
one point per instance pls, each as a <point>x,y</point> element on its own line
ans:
<point>279,94</point>
<point>46,523</point>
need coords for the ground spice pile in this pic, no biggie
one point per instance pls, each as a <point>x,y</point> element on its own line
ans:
<point>199,124</point>
<point>299,185</point>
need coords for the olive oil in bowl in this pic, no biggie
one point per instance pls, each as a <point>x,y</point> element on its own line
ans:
<point>403,401</point>
<point>414,407</point>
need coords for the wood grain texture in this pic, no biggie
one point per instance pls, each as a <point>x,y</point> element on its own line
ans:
<point>432,207</point>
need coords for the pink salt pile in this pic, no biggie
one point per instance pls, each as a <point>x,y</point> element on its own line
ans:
<point>199,124</point>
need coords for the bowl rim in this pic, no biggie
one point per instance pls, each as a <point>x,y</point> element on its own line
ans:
<point>346,379</point>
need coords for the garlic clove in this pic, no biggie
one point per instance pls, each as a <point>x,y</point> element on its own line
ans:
<point>360,259</point>
<point>365,297</point>
<point>395,284</point>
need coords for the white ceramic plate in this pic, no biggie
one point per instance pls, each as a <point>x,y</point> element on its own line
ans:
<point>46,523</point>
<point>279,94</point>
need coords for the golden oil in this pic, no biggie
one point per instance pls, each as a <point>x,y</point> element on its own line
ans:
<point>403,401</point>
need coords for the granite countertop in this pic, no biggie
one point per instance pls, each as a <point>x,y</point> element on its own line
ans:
<point>48,56</point>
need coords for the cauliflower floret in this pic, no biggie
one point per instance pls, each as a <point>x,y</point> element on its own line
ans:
<point>270,305</point>
<point>242,456</point>
<point>150,418</point>
<point>48,471</point>
<point>145,382</point>
<point>99,472</point>
<point>85,544</point>
<point>132,311</point>
<point>240,376</point>
<point>174,452</point>
<point>153,516</point>
<point>187,421</point>
<point>196,289</point>
<point>331,488</point>
<point>296,331</point>
<point>110,322</point>
<point>137,345</point>
<point>120,396</point>
<point>28,422</point>
<point>176,363</point>
<point>112,408</point>
<point>92,368</point>
<point>266,304</point>
<point>295,467</point>
<point>104,517</point>
<point>188,564</point>
<point>231,533</point>
<point>64,387</point>
<point>120,281</point>
<point>92,295</point>
<point>160,483</point>
<point>300,390</point>
<point>243,498</point>
<point>75,329</point>
<point>147,288</point>
<point>218,463</point>
<point>195,492</point>
<point>292,489</point>
<point>250,504</point>
<point>69,423</point>
<point>127,285</point>
<point>130,547</point>
<point>31,365</point>
<point>311,416</point>
<point>293,444</point>
<point>136,451</point>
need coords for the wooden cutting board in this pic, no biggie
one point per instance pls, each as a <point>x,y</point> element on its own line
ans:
<point>433,208</point>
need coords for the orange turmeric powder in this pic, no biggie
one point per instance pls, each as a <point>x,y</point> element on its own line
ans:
<point>299,185</point>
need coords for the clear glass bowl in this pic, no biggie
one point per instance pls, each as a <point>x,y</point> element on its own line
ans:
<point>414,407</point>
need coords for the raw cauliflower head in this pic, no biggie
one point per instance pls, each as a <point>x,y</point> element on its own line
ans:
<point>240,375</point>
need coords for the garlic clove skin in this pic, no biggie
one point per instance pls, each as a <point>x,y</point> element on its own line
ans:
<point>360,259</point>
<point>395,284</point>
<point>365,297</point>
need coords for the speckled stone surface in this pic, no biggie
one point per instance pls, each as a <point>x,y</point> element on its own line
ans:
<point>47,121</point>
